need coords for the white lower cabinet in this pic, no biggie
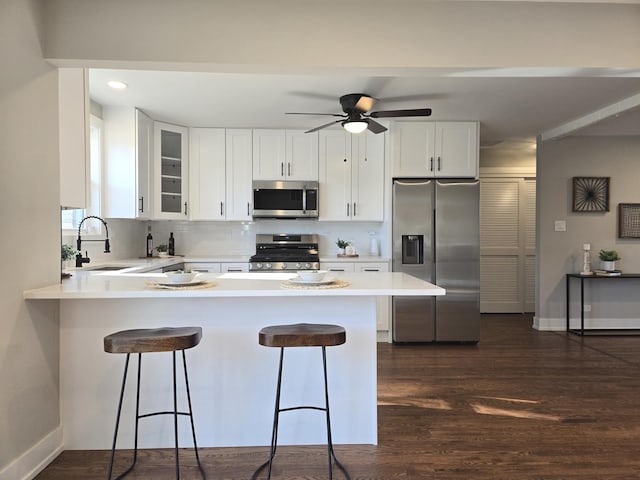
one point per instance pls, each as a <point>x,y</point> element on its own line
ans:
<point>383,304</point>
<point>234,267</point>
<point>203,267</point>
<point>217,267</point>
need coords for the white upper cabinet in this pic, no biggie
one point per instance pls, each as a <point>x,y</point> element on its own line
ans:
<point>435,149</point>
<point>128,149</point>
<point>171,170</point>
<point>238,174</point>
<point>285,155</point>
<point>220,174</point>
<point>73,121</point>
<point>207,173</point>
<point>351,176</point>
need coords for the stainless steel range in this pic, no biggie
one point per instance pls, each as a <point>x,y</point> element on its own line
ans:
<point>282,251</point>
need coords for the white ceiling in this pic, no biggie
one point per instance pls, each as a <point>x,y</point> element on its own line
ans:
<point>511,105</point>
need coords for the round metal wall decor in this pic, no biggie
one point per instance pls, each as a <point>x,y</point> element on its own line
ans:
<point>591,194</point>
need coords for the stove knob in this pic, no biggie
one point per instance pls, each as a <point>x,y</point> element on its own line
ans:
<point>258,266</point>
<point>267,266</point>
<point>298,266</point>
<point>307,266</point>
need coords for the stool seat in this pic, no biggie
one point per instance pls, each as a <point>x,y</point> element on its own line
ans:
<point>167,339</point>
<point>302,335</point>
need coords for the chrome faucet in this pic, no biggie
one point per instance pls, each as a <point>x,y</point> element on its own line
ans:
<point>107,249</point>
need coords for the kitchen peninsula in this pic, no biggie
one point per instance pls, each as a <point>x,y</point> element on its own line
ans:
<point>232,378</point>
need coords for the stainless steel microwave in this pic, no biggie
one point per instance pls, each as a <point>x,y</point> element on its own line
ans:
<point>287,199</point>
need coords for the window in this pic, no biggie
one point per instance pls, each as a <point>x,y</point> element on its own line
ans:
<point>71,218</point>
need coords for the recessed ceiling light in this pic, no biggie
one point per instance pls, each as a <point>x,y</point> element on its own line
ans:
<point>117,84</point>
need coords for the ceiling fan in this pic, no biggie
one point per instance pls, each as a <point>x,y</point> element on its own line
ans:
<point>355,118</point>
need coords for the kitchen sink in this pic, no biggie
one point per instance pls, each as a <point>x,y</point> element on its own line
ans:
<point>107,268</point>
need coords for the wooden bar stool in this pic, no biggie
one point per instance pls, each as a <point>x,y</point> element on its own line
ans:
<point>302,335</point>
<point>154,340</point>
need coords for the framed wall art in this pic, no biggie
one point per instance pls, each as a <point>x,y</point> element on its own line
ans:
<point>591,194</point>
<point>629,220</point>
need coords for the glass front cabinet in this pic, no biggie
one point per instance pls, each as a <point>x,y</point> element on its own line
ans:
<point>171,167</point>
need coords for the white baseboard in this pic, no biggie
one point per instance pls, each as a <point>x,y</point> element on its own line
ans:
<point>549,324</point>
<point>34,460</point>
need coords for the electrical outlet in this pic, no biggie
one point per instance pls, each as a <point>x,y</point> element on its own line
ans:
<point>560,226</point>
<point>587,308</point>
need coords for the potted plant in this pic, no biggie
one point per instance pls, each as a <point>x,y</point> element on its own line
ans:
<point>162,250</point>
<point>608,259</point>
<point>342,245</point>
<point>67,255</point>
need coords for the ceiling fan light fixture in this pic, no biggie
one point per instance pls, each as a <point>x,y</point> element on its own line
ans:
<point>355,126</point>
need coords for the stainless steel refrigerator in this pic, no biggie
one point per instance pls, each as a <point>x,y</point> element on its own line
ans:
<point>436,237</point>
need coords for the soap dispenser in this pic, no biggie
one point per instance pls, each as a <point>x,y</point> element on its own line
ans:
<point>374,251</point>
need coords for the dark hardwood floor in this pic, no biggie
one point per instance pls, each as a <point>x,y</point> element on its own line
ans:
<point>520,405</point>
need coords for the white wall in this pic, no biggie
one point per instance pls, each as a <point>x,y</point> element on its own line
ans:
<point>29,205</point>
<point>561,252</point>
<point>302,34</point>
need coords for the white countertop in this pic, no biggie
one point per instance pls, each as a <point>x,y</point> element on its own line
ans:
<point>94,285</point>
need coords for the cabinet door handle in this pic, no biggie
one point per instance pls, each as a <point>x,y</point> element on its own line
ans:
<point>221,208</point>
<point>248,213</point>
<point>141,204</point>
<point>370,270</point>
<point>348,205</point>
<point>289,169</point>
<point>234,270</point>
<point>185,208</point>
<point>336,269</point>
<point>354,209</point>
<point>282,169</point>
<point>439,164</point>
<point>431,165</point>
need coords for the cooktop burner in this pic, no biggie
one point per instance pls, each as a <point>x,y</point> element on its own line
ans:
<point>285,252</point>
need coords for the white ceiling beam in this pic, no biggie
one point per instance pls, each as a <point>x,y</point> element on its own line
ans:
<point>591,118</point>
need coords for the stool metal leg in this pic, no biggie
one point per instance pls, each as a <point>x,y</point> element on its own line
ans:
<point>175,414</point>
<point>115,435</point>
<point>274,430</point>
<point>330,451</point>
<point>193,428</point>
<point>175,417</point>
<point>276,415</point>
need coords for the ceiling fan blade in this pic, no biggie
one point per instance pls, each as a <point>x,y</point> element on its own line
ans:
<point>375,127</point>
<point>323,126</point>
<point>414,112</point>
<point>307,113</point>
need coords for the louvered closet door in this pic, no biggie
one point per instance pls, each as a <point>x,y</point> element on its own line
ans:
<point>507,245</point>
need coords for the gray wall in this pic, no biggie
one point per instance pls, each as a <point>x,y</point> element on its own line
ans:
<point>29,202</point>
<point>561,252</point>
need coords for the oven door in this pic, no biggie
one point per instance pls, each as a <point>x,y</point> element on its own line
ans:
<point>285,199</point>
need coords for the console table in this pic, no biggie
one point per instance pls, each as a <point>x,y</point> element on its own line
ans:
<point>595,331</point>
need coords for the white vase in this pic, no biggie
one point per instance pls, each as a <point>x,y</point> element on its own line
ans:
<point>341,251</point>
<point>608,265</point>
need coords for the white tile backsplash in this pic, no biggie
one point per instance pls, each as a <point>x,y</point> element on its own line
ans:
<point>128,237</point>
<point>238,238</point>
